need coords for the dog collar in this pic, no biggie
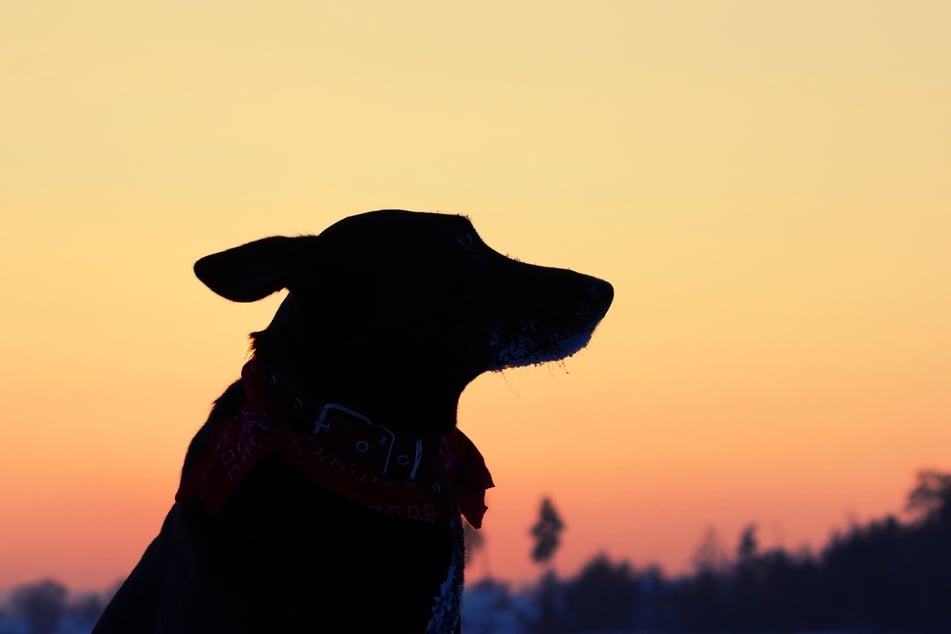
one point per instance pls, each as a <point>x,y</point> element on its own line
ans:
<point>428,479</point>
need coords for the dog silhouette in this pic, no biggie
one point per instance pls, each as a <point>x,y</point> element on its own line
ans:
<point>327,489</point>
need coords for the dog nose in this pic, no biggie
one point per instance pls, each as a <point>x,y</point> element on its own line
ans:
<point>601,291</point>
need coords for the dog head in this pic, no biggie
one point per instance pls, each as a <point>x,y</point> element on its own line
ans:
<point>392,311</point>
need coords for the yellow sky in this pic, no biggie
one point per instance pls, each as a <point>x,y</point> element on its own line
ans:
<point>765,183</point>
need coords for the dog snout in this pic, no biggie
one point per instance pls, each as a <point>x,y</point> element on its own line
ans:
<point>594,298</point>
<point>601,291</point>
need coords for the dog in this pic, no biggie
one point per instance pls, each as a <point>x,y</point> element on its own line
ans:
<point>327,489</point>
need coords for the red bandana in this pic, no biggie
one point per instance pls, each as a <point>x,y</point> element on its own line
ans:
<point>262,429</point>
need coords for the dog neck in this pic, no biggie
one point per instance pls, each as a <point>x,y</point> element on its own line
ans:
<point>428,479</point>
<point>374,444</point>
<point>408,408</point>
<point>406,397</point>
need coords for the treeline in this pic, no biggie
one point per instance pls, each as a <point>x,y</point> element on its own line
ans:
<point>45,607</point>
<point>888,576</point>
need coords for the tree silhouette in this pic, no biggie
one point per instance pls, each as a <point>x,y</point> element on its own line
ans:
<point>603,597</point>
<point>547,532</point>
<point>87,608</point>
<point>701,596</point>
<point>748,547</point>
<point>41,604</point>
<point>710,556</point>
<point>930,500</point>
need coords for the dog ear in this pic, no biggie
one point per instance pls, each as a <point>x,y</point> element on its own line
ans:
<point>254,270</point>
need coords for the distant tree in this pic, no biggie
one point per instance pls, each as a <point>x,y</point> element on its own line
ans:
<point>930,500</point>
<point>547,532</point>
<point>549,603</point>
<point>603,597</point>
<point>747,548</point>
<point>746,610</point>
<point>928,550</point>
<point>489,608</point>
<point>703,607</point>
<point>710,556</point>
<point>87,608</point>
<point>41,604</point>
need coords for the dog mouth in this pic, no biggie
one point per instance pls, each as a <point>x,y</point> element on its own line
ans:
<point>531,345</point>
<point>560,334</point>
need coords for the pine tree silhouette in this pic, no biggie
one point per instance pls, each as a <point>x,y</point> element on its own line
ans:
<point>547,532</point>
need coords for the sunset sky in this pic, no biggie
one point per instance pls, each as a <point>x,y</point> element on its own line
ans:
<point>766,184</point>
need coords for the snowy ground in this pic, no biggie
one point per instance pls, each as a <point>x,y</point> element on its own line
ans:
<point>487,609</point>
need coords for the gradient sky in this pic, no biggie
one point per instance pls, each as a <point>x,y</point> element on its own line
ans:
<point>767,185</point>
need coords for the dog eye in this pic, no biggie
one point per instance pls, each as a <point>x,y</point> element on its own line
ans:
<point>466,241</point>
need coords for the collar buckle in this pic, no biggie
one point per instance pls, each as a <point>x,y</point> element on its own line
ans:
<point>355,435</point>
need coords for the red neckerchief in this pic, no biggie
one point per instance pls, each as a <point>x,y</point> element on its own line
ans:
<point>450,465</point>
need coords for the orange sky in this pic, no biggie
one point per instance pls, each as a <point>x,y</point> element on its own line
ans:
<point>765,184</point>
